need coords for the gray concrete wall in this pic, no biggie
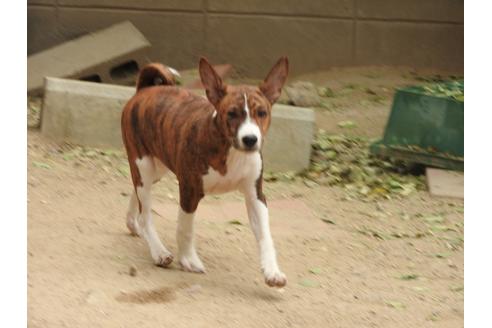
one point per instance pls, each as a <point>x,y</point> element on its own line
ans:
<point>251,34</point>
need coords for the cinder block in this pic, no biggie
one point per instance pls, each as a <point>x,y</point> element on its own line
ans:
<point>89,114</point>
<point>288,143</point>
<point>84,113</point>
<point>113,55</point>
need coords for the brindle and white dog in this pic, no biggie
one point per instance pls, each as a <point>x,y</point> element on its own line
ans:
<point>212,146</point>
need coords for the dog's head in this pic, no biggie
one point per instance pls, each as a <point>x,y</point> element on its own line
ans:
<point>243,113</point>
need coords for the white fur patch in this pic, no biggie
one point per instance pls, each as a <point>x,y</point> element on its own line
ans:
<point>150,173</point>
<point>241,167</point>
<point>187,256</point>
<point>174,72</point>
<point>248,127</point>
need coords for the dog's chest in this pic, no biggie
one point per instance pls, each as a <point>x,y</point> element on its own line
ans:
<point>242,168</point>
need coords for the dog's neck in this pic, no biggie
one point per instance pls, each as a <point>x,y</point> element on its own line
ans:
<point>215,144</point>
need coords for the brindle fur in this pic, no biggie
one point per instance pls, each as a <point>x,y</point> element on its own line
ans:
<point>181,130</point>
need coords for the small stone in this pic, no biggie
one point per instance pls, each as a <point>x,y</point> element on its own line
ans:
<point>133,270</point>
<point>310,184</point>
<point>303,94</point>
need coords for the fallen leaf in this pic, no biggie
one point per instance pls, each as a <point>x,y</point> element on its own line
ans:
<point>434,219</point>
<point>410,276</point>
<point>124,171</point>
<point>328,221</point>
<point>236,222</point>
<point>346,124</point>
<point>457,288</point>
<point>315,270</point>
<point>308,283</point>
<point>41,165</point>
<point>442,255</point>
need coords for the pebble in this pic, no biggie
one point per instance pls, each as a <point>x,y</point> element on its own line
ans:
<point>133,270</point>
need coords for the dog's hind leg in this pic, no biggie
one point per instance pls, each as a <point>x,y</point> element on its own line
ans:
<point>132,215</point>
<point>149,174</point>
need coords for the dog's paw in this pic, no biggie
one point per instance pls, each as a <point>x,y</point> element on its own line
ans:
<point>275,279</point>
<point>132,225</point>
<point>164,259</point>
<point>191,263</point>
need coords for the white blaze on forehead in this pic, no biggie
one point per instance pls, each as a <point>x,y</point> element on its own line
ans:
<point>174,72</point>
<point>248,127</point>
<point>246,108</point>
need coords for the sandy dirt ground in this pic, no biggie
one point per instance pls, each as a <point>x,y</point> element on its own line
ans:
<point>350,263</point>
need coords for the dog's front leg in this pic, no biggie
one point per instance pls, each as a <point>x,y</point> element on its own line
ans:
<point>187,255</point>
<point>258,218</point>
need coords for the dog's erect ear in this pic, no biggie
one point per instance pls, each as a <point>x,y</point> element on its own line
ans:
<point>211,82</point>
<point>275,80</point>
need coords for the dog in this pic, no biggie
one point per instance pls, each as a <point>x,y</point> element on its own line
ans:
<point>212,145</point>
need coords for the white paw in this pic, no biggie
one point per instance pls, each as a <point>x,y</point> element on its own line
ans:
<point>191,263</point>
<point>163,259</point>
<point>275,278</point>
<point>133,226</point>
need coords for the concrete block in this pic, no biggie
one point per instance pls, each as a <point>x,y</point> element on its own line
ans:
<point>288,143</point>
<point>326,8</point>
<point>327,42</point>
<point>89,114</point>
<point>445,183</point>
<point>84,113</point>
<point>410,44</point>
<point>418,10</point>
<point>177,38</point>
<point>113,55</point>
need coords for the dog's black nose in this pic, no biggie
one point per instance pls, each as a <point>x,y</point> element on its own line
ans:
<point>250,140</point>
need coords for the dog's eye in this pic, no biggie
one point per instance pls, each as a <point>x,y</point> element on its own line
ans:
<point>232,114</point>
<point>262,113</point>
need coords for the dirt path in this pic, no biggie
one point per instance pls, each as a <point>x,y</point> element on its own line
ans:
<point>350,263</point>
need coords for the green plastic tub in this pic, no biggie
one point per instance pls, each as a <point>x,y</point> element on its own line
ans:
<point>426,126</point>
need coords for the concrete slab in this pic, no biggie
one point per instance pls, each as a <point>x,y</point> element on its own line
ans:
<point>444,183</point>
<point>84,113</point>
<point>113,55</point>
<point>89,114</point>
<point>288,143</point>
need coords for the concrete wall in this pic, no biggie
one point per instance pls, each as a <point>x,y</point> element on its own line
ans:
<point>251,34</point>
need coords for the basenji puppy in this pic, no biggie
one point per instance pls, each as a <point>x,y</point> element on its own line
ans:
<point>212,145</point>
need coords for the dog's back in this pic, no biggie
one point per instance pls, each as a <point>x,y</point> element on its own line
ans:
<point>157,119</point>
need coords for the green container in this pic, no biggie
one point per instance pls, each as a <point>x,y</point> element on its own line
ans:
<point>426,126</point>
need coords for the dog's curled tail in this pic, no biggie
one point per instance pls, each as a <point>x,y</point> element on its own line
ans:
<point>156,74</point>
